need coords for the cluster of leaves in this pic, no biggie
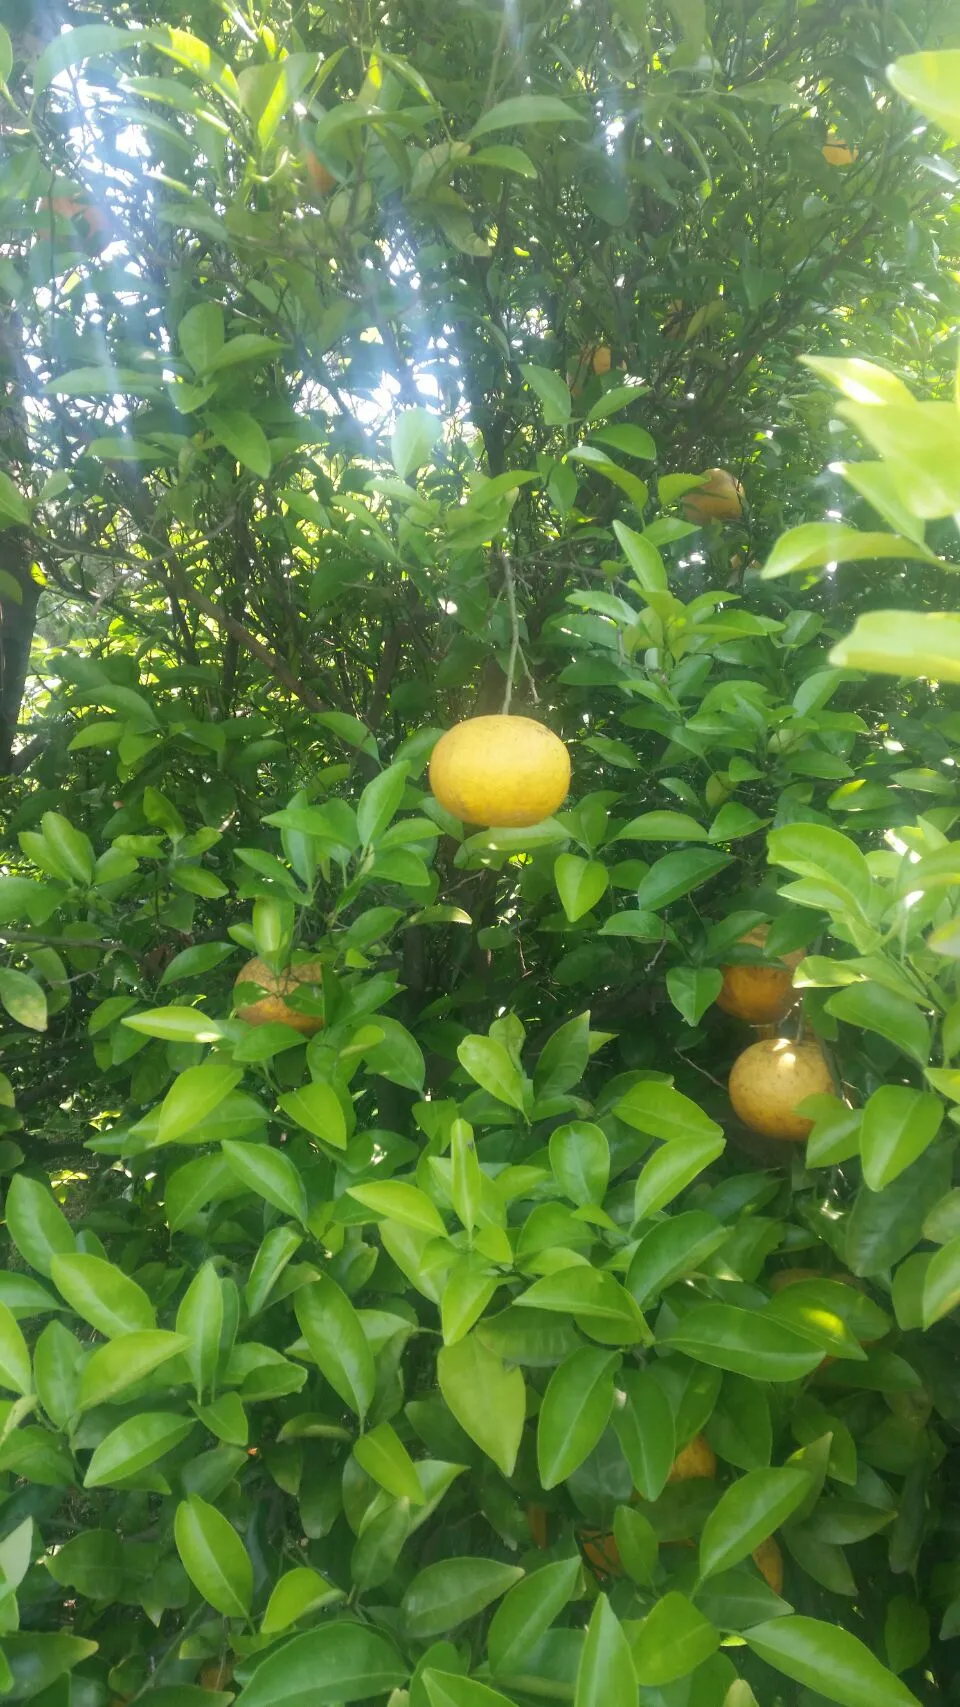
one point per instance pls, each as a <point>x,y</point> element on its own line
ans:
<point>356,1365</point>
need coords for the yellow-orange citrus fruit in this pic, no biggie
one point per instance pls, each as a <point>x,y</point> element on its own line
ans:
<point>601,1551</point>
<point>837,153</point>
<point>322,181</point>
<point>537,1523</point>
<point>759,994</point>
<point>271,1009</point>
<point>770,1078</point>
<point>602,359</point>
<point>719,499</point>
<point>697,1459</point>
<point>769,1562</point>
<point>503,771</point>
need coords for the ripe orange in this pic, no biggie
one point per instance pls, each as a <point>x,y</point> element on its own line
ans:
<point>504,771</point>
<point>601,1552</point>
<point>216,1674</point>
<point>271,1009</point>
<point>770,1078</point>
<point>537,1522</point>
<point>769,1562</point>
<point>602,359</point>
<point>697,1459</point>
<point>838,153</point>
<point>322,181</point>
<point>759,994</point>
<point>718,499</point>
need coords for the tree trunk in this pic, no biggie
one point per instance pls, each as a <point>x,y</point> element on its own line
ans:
<point>16,638</point>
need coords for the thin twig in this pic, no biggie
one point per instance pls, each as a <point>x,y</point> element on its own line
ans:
<point>511,592</point>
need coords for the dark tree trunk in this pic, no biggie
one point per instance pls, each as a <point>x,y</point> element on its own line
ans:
<point>16,638</point>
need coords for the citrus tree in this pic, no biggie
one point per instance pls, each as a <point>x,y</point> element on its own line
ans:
<point>399,1304</point>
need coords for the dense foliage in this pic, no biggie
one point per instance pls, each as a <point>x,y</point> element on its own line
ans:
<point>458,1346</point>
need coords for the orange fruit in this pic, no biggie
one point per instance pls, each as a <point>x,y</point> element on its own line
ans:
<point>718,499</point>
<point>770,1078</point>
<point>602,359</point>
<point>216,1674</point>
<point>601,1552</point>
<point>537,1522</point>
<point>759,994</point>
<point>697,1459</point>
<point>271,1009</point>
<point>504,771</point>
<point>838,153</point>
<point>321,180</point>
<point>769,1562</point>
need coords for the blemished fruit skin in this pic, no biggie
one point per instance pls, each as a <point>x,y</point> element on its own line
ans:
<point>719,499</point>
<point>770,1078</point>
<point>271,1009</point>
<point>505,771</point>
<point>759,994</point>
<point>697,1459</point>
<point>769,1562</point>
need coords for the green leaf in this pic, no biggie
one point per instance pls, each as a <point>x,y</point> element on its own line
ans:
<point>643,558</point>
<point>665,1113</point>
<point>135,1444</point>
<point>193,1096</point>
<point>580,1159</point>
<point>830,858</point>
<point>337,1342</point>
<point>580,884</point>
<point>15,1372</point>
<point>243,437</point>
<point>67,51</point>
<point>200,1320</point>
<point>615,399</point>
<point>745,1342</point>
<point>883,1226</point>
<point>488,1062</point>
<point>175,1025</point>
<point>271,1174</point>
<point>692,990</point>
<point>14,512</point>
<point>23,999</point>
<point>929,81</point>
<point>294,1595</point>
<point>814,544</point>
<point>411,447</point>
<point>875,1008</point>
<point>379,801</point>
<point>941,1284</point>
<point>400,1201</point>
<point>828,1659</point>
<point>644,1425</point>
<point>575,1411</point>
<point>125,1361</point>
<point>102,1294</point>
<point>671,1169</point>
<point>336,1662</point>
<point>551,389</point>
<point>637,1544</point>
<point>527,1612</point>
<point>382,1454</point>
<point>747,1513</point>
<point>605,1675</point>
<point>503,157</point>
<point>448,1593</point>
<point>671,1642</point>
<point>525,109</point>
<point>33,1659</point>
<point>6,55</point>
<point>449,1689</point>
<point>317,1108</point>
<point>200,335</point>
<point>676,874</point>
<point>36,1224</point>
<point>903,643</point>
<point>487,1397</point>
<point>591,1293</point>
<point>898,1125</point>
<point>214,1557</point>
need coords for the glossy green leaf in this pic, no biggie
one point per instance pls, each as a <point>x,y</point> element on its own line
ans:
<point>448,1593</point>
<point>271,1174</point>
<point>877,1009</point>
<point>340,1661</point>
<point>337,1342</point>
<point>193,1096</point>
<point>15,1371</point>
<point>743,1341</point>
<point>605,1675</point>
<point>102,1294</point>
<point>134,1444</point>
<point>747,1513</point>
<point>123,1362</point>
<point>580,1159</point>
<point>488,1062</point>
<point>214,1557</point>
<point>527,1611</point>
<point>317,1108</point>
<point>899,1124</point>
<point>487,1397</point>
<point>296,1595</point>
<point>672,1641</point>
<point>575,1411</point>
<point>829,1660</point>
<point>644,1424</point>
<point>382,1454</point>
